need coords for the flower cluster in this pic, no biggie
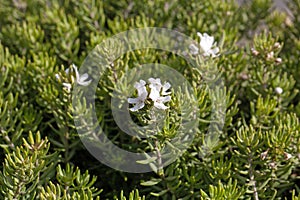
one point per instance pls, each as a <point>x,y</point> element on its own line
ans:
<point>269,55</point>
<point>207,46</point>
<point>80,79</point>
<point>158,94</point>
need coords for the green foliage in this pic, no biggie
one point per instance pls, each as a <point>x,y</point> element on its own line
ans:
<point>71,185</point>
<point>255,153</point>
<point>27,168</point>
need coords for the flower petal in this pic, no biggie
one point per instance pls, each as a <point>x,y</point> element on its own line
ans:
<point>154,94</point>
<point>84,76</point>
<point>155,83</point>
<point>166,86</point>
<point>139,84</point>
<point>142,92</point>
<point>133,100</point>
<point>164,99</point>
<point>84,83</point>
<point>160,106</point>
<point>137,106</point>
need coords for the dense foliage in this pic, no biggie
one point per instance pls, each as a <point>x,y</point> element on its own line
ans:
<point>257,155</point>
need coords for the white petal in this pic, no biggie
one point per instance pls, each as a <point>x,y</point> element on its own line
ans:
<point>67,71</point>
<point>164,99</point>
<point>84,83</point>
<point>74,67</point>
<point>57,76</point>
<point>215,51</point>
<point>143,96</point>
<point>206,42</point>
<point>133,100</point>
<point>166,86</point>
<point>160,106</point>
<point>137,107</point>
<point>142,92</point>
<point>76,71</point>
<point>84,76</point>
<point>155,83</point>
<point>154,94</point>
<point>139,84</point>
<point>153,80</point>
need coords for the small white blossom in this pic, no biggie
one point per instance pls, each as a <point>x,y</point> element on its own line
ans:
<point>159,100</point>
<point>156,87</point>
<point>157,94</point>
<point>207,45</point>
<point>278,90</point>
<point>81,79</point>
<point>142,96</point>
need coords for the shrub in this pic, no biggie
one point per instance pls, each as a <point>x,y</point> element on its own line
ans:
<point>256,154</point>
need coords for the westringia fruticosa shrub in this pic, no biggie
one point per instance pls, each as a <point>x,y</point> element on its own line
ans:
<point>257,55</point>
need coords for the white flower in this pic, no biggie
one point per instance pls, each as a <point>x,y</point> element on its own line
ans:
<point>81,79</point>
<point>142,96</point>
<point>156,87</point>
<point>155,83</point>
<point>194,49</point>
<point>278,90</point>
<point>159,100</point>
<point>207,44</point>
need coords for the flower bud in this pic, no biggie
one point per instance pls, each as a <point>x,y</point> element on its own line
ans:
<point>278,90</point>
<point>264,154</point>
<point>244,76</point>
<point>254,52</point>
<point>278,60</point>
<point>272,165</point>
<point>270,55</point>
<point>277,45</point>
<point>287,156</point>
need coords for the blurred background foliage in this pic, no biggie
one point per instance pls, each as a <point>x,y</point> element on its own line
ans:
<point>257,156</point>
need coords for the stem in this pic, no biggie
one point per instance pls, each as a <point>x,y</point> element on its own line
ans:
<point>159,160</point>
<point>252,180</point>
<point>66,145</point>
